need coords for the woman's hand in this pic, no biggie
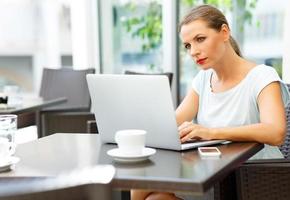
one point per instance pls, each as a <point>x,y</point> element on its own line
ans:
<point>189,130</point>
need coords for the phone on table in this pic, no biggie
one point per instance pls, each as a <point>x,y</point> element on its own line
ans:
<point>209,152</point>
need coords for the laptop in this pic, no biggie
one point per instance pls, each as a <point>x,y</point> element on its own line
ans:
<point>137,102</point>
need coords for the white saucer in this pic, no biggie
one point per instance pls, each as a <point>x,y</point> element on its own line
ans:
<point>117,155</point>
<point>4,166</point>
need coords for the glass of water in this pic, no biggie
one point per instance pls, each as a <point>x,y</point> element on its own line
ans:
<point>8,127</point>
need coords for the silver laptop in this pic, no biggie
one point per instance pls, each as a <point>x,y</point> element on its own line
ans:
<point>137,102</point>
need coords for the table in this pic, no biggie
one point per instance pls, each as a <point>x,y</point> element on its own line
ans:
<point>28,112</point>
<point>166,170</point>
<point>32,106</point>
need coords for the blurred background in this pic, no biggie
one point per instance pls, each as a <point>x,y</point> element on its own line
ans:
<point>116,35</point>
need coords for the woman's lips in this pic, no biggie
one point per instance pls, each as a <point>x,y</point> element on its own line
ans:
<point>201,61</point>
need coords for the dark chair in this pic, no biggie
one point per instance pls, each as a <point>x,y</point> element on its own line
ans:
<point>267,179</point>
<point>92,125</point>
<point>72,115</point>
<point>85,184</point>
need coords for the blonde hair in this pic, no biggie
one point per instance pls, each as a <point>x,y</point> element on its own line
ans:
<point>213,17</point>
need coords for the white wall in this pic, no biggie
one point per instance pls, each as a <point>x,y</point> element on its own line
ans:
<point>34,28</point>
<point>84,34</point>
<point>169,42</point>
<point>17,22</point>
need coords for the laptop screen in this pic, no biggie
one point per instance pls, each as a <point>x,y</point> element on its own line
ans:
<point>134,102</point>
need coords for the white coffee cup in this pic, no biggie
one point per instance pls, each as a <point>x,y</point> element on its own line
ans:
<point>131,142</point>
<point>7,149</point>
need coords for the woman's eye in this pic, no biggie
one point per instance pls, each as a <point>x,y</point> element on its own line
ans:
<point>200,39</point>
<point>187,46</point>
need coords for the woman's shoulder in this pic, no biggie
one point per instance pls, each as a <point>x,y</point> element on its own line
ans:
<point>262,70</point>
<point>261,76</point>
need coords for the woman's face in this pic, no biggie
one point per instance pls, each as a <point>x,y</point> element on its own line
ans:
<point>205,45</point>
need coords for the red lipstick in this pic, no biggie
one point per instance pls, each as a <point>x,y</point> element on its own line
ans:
<point>201,61</point>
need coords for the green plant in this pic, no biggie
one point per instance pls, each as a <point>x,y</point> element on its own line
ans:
<point>147,27</point>
<point>218,3</point>
<point>246,5</point>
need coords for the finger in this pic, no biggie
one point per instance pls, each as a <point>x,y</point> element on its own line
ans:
<point>190,136</point>
<point>186,134</point>
<point>184,125</point>
<point>185,138</point>
<point>185,131</point>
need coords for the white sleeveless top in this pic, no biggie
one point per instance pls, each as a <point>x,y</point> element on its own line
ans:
<point>238,105</point>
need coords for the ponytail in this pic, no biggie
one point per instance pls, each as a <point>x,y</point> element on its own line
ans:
<point>235,46</point>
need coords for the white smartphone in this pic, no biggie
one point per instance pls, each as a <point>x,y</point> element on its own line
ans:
<point>209,151</point>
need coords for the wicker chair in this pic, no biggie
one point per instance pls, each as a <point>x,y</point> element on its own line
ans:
<point>267,179</point>
<point>89,184</point>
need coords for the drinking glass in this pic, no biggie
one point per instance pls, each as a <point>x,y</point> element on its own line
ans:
<point>8,127</point>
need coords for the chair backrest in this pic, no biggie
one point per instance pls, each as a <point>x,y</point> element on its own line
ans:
<point>69,83</point>
<point>85,184</point>
<point>285,148</point>
<point>168,74</point>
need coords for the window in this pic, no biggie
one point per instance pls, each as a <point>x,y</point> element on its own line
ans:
<point>131,35</point>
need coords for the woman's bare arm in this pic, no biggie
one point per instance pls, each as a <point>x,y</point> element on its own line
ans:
<point>188,108</point>
<point>271,130</point>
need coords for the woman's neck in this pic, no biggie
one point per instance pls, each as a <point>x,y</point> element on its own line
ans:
<point>232,67</point>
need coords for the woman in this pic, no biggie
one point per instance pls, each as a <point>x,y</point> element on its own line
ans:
<point>231,98</point>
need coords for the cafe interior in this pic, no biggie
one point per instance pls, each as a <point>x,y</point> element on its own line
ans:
<point>50,144</point>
